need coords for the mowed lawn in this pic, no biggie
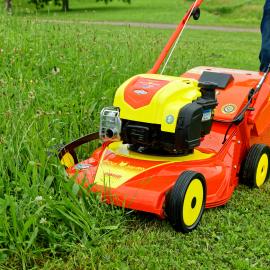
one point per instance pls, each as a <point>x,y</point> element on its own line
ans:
<point>245,13</point>
<point>54,80</point>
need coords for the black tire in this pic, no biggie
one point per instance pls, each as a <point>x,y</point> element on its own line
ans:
<point>183,212</point>
<point>255,170</point>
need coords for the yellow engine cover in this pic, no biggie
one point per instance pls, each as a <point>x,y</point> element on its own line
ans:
<point>155,99</point>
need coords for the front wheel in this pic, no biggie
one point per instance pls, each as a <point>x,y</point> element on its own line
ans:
<point>185,203</point>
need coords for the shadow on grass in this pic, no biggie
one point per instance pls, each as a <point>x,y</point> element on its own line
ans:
<point>89,9</point>
<point>142,220</point>
<point>81,10</point>
<point>225,10</point>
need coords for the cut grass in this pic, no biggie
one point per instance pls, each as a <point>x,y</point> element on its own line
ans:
<point>54,79</point>
<point>245,13</point>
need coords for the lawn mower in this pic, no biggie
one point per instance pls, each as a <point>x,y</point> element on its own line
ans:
<point>173,146</point>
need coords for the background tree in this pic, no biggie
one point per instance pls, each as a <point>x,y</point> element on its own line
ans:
<point>63,3</point>
<point>8,5</point>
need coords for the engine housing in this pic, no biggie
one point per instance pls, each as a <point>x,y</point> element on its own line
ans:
<point>164,114</point>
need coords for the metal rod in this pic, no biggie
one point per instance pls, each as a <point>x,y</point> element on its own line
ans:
<point>178,38</point>
<point>259,86</point>
<point>174,37</point>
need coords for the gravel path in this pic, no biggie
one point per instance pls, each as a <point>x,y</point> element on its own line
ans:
<point>152,25</point>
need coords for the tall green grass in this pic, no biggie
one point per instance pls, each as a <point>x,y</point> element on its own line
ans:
<point>54,79</point>
<point>40,212</point>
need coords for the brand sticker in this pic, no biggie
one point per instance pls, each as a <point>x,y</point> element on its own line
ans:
<point>229,108</point>
<point>140,92</point>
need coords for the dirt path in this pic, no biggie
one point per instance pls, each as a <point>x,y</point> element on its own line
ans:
<point>152,25</point>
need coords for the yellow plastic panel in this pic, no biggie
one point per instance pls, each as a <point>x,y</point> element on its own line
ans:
<point>167,102</point>
<point>112,174</point>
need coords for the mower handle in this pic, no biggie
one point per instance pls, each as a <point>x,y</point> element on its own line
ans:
<point>174,37</point>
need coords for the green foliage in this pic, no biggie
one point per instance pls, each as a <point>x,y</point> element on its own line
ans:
<point>243,13</point>
<point>107,1</point>
<point>41,3</point>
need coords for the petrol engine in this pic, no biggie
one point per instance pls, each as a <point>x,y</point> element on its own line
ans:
<point>159,114</point>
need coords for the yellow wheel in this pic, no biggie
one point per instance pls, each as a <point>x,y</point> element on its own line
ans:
<point>262,170</point>
<point>68,160</point>
<point>256,166</point>
<point>185,203</point>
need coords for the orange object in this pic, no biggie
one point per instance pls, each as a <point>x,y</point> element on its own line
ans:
<point>141,184</point>
<point>214,135</point>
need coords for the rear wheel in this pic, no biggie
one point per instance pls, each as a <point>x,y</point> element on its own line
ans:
<point>256,166</point>
<point>185,203</point>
